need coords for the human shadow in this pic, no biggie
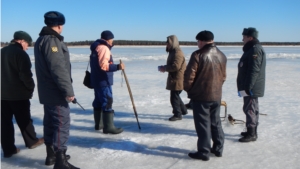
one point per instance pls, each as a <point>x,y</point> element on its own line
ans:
<point>24,161</point>
<point>127,145</point>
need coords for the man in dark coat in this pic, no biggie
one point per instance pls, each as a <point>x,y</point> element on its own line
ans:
<point>175,67</point>
<point>203,81</point>
<point>53,71</point>
<point>17,87</point>
<point>251,79</point>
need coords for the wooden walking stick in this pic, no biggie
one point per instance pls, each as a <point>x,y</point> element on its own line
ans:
<point>131,97</point>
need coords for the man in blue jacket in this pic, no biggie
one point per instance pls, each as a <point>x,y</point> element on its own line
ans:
<point>102,71</point>
<point>251,78</point>
<point>53,71</point>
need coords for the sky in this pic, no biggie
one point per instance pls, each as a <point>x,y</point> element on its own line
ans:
<point>276,20</point>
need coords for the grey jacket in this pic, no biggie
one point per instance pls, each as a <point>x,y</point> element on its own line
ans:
<point>16,76</point>
<point>53,68</point>
<point>252,69</point>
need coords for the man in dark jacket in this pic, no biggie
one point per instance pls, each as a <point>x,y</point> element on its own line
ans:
<point>17,87</point>
<point>102,71</point>
<point>175,67</point>
<point>203,80</point>
<point>251,79</point>
<point>53,71</point>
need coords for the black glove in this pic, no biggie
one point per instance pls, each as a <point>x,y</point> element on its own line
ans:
<point>74,101</point>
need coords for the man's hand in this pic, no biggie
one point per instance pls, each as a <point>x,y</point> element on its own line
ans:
<point>121,66</point>
<point>70,98</point>
<point>162,69</point>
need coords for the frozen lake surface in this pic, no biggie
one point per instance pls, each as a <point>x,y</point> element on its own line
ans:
<point>162,144</point>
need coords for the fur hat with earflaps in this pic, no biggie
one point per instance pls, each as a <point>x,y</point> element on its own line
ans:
<point>250,32</point>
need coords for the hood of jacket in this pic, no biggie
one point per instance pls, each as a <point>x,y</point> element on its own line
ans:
<point>98,42</point>
<point>173,41</point>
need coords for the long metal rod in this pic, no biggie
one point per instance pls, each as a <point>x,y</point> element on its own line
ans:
<point>131,97</point>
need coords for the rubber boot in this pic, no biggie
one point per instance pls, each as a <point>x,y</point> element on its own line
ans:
<point>98,119</point>
<point>250,136</point>
<point>109,127</point>
<point>61,161</point>
<point>50,159</point>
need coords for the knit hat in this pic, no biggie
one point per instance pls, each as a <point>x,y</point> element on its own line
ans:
<point>107,35</point>
<point>205,36</point>
<point>250,32</point>
<point>54,18</point>
<point>21,35</point>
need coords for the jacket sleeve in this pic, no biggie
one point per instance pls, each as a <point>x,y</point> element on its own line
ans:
<point>254,65</point>
<point>104,55</point>
<point>25,73</point>
<point>58,66</point>
<point>176,63</point>
<point>190,72</point>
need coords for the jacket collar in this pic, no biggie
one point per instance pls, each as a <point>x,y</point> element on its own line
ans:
<point>16,44</point>
<point>208,45</point>
<point>48,31</point>
<point>250,44</point>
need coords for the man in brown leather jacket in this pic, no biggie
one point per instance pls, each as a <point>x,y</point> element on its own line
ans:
<point>203,80</point>
<point>175,67</point>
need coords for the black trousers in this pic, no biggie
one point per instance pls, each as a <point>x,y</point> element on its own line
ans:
<point>177,104</point>
<point>21,110</point>
<point>208,126</point>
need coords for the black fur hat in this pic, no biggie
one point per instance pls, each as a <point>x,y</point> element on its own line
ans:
<point>54,18</point>
<point>250,32</point>
<point>205,36</point>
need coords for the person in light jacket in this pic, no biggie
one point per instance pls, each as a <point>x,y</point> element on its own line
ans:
<point>175,67</point>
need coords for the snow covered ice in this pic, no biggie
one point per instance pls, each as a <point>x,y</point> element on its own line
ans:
<point>162,144</point>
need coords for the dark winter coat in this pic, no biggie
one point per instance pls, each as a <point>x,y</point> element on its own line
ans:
<point>16,76</point>
<point>176,65</point>
<point>102,73</point>
<point>252,69</point>
<point>53,68</point>
<point>205,74</point>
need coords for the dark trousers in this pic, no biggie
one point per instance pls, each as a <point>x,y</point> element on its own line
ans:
<point>177,104</point>
<point>208,126</point>
<point>21,110</point>
<point>56,125</point>
<point>251,111</point>
<point>103,98</point>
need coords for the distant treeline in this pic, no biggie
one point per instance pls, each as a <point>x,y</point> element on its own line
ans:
<point>162,43</point>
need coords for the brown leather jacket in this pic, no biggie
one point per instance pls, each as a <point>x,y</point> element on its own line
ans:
<point>205,74</point>
<point>176,65</point>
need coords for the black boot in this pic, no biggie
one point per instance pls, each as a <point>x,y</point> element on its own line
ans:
<point>250,136</point>
<point>98,119</point>
<point>108,121</point>
<point>61,161</point>
<point>50,159</point>
<point>245,133</point>
<point>198,156</point>
<point>174,118</point>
